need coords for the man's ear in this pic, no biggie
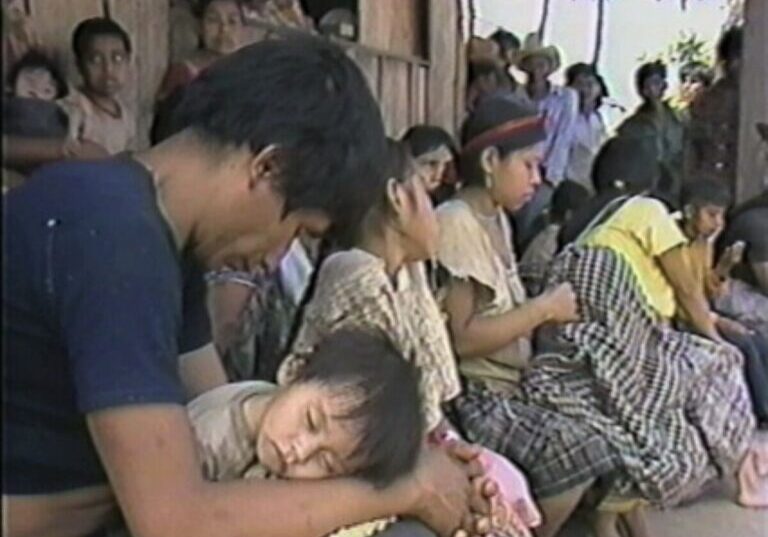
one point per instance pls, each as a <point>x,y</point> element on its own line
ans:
<point>265,165</point>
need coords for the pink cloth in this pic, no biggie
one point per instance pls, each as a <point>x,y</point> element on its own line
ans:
<point>753,476</point>
<point>513,491</point>
<point>514,497</point>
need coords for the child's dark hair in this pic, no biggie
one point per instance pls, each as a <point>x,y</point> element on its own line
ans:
<point>569,196</point>
<point>422,139</point>
<point>90,29</point>
<point>387,401</point>
<point>37,59</point>
<point>305,96</point>
<point>647,70</point>
<point>706,192</point>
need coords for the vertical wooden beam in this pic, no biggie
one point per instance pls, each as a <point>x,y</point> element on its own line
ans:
<point>444,63</point>
<point>146,21</point>
<point>754,99</point>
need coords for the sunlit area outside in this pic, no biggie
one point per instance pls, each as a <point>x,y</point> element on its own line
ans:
<point>634,31</point>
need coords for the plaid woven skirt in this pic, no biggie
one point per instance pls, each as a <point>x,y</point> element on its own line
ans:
<point>556,452</point>
<point>675,406</point>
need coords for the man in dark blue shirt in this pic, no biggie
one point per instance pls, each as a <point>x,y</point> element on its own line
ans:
<point>103,294</point>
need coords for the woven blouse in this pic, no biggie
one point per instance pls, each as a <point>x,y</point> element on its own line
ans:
<point>354,291</point>
<point>467,253</point>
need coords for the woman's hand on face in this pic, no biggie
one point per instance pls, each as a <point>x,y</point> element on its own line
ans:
<point>560,304</point>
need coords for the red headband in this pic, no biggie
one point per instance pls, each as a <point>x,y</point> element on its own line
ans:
<point>504,132</point>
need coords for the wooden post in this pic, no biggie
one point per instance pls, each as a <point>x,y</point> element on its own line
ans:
<point>753,100</point>
<point>445,70</point>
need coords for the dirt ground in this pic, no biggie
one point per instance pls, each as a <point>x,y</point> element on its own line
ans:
<point>714,515</point>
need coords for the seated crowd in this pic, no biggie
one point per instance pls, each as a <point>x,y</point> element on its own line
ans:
<point>278,321</point>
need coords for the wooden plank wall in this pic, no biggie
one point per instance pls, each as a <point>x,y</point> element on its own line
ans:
<point>146,21</point>
<point>54,21</point>
<point>446,69</point>
<point>410,53</point>
<point>753,158</point>
<point>421,87</point>
<point>399,84</point>
<point>396,26</point>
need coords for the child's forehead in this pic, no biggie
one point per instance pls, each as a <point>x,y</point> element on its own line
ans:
<point>105,41</point>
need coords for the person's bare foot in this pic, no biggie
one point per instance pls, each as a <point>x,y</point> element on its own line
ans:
<point>636,522</point>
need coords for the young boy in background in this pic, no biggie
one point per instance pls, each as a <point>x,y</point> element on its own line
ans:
<point>102,51</point>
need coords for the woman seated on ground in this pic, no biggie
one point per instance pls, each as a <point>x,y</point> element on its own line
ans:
<point>435,152</point>
<point>674,405</point>
<point>492,321</point>
<point>359,416</point>
<point>705,204</point>
<point>379,283</point>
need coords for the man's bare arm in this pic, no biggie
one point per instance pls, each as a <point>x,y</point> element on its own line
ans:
<point>201,370</point>
<point>150,458</point>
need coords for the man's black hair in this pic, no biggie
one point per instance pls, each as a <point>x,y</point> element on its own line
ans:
<point>37,59</point>
<point>569,196</point>
<point>305,96</point>
<point>422,139</point>
<point>506,40</point>
<point>731,44</point>
<point>388,407</point>
<point>706,192</point>
<point>647,70</point>
<point>89,29</point>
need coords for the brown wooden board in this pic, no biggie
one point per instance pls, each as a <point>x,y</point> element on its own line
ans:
<point>395,95</point>
<point>395,26</point>
<point>54,22</point>
<point>369,65</point>
<point>146,21</point>
<point>418,79</point>
<point>444,36</point>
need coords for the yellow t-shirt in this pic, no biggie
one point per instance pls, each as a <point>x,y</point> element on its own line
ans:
<point>640,231</point>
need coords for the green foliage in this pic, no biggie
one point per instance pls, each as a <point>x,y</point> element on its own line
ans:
<point>689,47</point>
